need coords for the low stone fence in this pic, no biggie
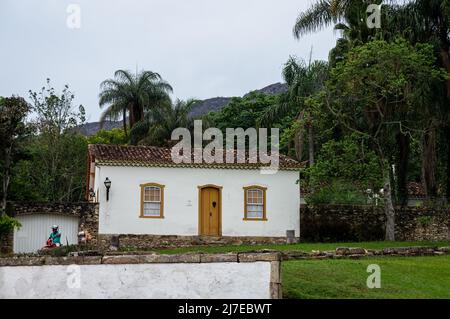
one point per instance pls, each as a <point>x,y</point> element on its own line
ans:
<point>141,242</point>
<point>334,223</point>
<point>354,252</point>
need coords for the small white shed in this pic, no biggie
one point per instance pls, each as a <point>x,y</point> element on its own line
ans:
<point>36,229</point>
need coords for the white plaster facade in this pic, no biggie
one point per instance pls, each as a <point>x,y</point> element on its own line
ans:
<point>121,214</point>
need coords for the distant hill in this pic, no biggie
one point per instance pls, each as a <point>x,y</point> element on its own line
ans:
<point>217,103</point>
<point>89,129</point>
<point>210,105</point>
<point>200,108</point>
<point>272,89</point>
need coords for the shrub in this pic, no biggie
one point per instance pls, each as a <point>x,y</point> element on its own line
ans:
<point>65,250</point>
<point>425,220</point>
<point>8,224</point>
<point>338,192</point>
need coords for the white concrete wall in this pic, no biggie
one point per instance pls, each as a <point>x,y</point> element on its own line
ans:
<point>186,281</point>
<point>120,215</point>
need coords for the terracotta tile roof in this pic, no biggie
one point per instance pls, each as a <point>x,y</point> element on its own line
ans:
<point>115,155</point>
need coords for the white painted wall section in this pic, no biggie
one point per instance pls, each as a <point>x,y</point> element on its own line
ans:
<point>186,281</point>
<point>120,215</point>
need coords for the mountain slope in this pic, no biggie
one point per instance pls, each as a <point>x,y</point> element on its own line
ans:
<point>200,108</point>
<point>216,104</point>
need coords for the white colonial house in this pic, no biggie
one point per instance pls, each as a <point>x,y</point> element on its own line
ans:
<point>141,191</point>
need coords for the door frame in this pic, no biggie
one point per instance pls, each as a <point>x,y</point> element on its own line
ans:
<point>219,189</point>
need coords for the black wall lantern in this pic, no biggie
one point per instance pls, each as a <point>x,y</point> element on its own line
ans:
<point>108,186</point>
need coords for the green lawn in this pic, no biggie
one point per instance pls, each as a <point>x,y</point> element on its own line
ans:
<point>301,246</point>
<point>401,277</point>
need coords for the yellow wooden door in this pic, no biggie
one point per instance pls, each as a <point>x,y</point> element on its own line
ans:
<point>210,212</point>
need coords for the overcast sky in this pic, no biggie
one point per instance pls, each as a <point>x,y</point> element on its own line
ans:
<point>203,48</point>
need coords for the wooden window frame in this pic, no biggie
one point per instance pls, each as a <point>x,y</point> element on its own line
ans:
<point>264,191</point>
<point>161,209</point>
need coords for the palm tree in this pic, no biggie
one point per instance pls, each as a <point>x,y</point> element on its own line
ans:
<point>347,15</point>
<point>304,80</point>
<point>132,95</point>
<point>158,124</point>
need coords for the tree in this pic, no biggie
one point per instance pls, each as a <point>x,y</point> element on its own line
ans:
<point>158,124</point>
<point>13,112</point>
<point>56,164</point>
<point>132,95</point>
<point>379,92</point>
<point>304,80</point>
<point>347,16</point>
<point>243,112</point>
<point>348,159</point>
<point>429,21</point>
<point>419,21</point>
<point>115,136</point>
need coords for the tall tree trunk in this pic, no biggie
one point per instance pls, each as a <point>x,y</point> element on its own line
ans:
<point>402,171</point>
<point>445,59</point>
<point>125,121</point>
<point>6,178</point>
<point>299,139</point>
<point>299,143</point>
<point>447,131</point>
<point>429,162</point>
<point>389,207</point>
<point>311,144</point>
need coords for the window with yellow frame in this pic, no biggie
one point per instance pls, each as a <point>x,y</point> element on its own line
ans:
<point>152,200</point>
<point>255,203</point>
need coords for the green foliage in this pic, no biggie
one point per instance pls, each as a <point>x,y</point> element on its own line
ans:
<point>348,159</point>
<point>338,192</point>
<point>383,90</point>
<point>243,112</point>
<point>51,172</point>
<point>115,136</point>
<point>8,224</point>
<point>55,112</point>
<point>65,250</point>
<point>158,124</point>
<point>132,95</point>
<point>13,129</point>
<point>55,164</point>
<point>425,220</point>
<point>383,87</point>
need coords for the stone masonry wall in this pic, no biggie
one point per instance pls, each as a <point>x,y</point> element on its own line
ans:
<point>367,223</point>
<point>142,242</point>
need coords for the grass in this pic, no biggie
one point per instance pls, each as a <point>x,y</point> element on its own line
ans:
<point>401,277</point>
<point>301,246</point>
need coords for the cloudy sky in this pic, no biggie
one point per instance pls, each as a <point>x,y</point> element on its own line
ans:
<point>203,48</point>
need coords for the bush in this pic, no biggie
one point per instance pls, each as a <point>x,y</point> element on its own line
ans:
<point>8,224</point>
<point>338,192</point>
<point>65,250</point>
